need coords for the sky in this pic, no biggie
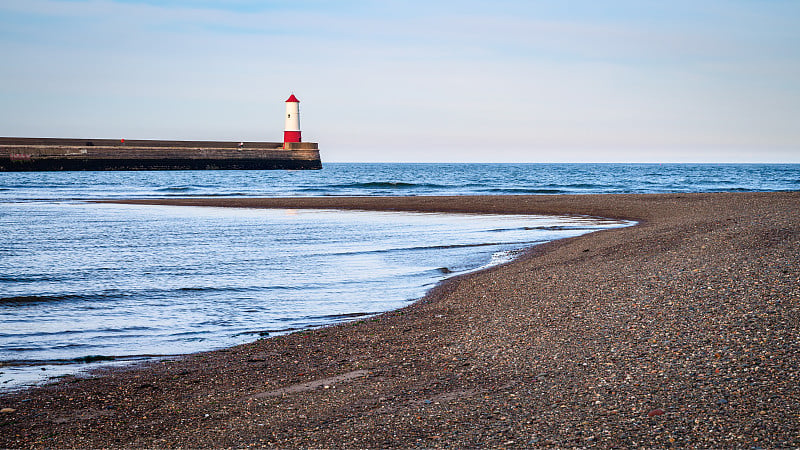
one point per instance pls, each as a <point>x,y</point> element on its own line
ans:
<point>415,81</point>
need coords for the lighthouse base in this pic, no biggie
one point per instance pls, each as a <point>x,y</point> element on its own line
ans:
<point>291,136</point>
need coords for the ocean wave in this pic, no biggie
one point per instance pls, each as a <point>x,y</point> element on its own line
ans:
<point>311,323</point>
<point>542,228</point>
<point>561,228</point>
<point>434,247</point>
<point>27,299</point>
<point>26,279</point>
<point>226,289</point>
<point>23,300</point>
<point>385,185</point>
<point>176,189</point>
<point>44,334</point>
<point>526,191</point>
<point>80,360</point>
<point>272,331</point>
<point>342,316</point>
<point>572,186</point>
<point>732,190</point>
<point>222,194</point>
<point>208,289</point>
<point>161,193</point>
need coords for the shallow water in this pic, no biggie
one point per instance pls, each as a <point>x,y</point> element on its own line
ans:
<point>99,281</point>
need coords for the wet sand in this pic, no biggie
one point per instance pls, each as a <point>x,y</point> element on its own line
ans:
<point>682,330</point>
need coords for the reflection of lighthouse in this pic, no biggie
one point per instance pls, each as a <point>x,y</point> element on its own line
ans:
<point>291,132</point>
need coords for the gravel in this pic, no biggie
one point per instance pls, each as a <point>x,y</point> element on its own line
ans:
<point>680,331</point>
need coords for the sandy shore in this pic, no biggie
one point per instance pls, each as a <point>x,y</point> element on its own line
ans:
<point>683,330</point>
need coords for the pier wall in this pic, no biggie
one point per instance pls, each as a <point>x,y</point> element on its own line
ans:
<point>53,154</point>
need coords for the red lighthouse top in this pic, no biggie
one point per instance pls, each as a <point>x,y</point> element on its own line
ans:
<point>293,99</point>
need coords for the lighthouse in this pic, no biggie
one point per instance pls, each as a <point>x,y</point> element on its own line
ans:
<point>291,132</point>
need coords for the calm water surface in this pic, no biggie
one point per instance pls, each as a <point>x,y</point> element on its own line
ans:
<point>406,179</point>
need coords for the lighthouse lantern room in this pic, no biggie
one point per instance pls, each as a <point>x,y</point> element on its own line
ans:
<point>291,132</point>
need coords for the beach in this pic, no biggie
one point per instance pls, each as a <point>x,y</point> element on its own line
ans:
<point>681,330</point>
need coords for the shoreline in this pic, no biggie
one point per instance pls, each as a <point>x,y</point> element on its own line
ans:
<point>680,330</point>
<point>423,255</point>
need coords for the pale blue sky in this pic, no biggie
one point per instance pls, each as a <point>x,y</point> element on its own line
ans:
<point>386,80</point>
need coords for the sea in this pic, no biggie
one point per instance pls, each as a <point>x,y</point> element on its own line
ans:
<point>86,285</point>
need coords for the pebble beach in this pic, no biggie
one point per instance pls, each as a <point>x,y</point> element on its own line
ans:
<point>679,331</point>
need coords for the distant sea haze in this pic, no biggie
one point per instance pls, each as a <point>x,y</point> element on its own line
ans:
<point>83,282</point>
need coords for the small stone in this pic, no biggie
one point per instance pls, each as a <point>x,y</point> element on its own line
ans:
<point>655,412</point>
<point>7,410</point>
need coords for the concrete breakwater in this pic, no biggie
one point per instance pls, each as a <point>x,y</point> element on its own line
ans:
<point>55,154</point>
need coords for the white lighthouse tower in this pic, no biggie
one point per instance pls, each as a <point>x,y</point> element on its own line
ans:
<point>291,132</point>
